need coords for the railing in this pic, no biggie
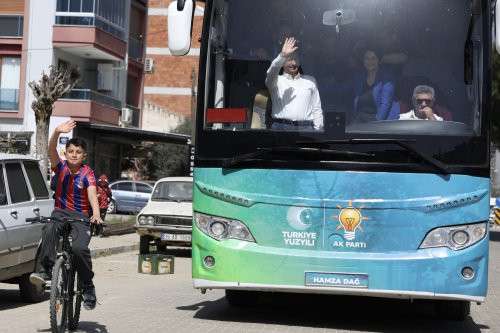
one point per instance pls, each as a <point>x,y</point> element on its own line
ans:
<point>9,99</point>
<point>135,49</point>
<point>11,26</point>
<point>135,115</point>
<point>91,95</point>
<point>91,21</point>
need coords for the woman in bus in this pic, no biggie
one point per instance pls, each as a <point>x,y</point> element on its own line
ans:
<point>374,92</point>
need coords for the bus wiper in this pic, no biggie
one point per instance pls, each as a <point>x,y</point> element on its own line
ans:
<point>233,161</point>
<point>402,143</point>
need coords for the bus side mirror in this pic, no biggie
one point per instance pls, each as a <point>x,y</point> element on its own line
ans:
<point>180,19</point>
<point>497,26</point>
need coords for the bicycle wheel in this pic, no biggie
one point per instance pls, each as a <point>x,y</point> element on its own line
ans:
<point>75,298</point>
<point>59,297</point>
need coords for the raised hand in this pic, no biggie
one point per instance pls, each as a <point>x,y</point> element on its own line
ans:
<point>289,47</point>
<point>66,127</point>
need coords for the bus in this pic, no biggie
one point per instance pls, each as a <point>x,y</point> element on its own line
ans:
<point>363,201</point>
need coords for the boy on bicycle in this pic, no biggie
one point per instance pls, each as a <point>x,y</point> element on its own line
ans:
<point>75,198</point>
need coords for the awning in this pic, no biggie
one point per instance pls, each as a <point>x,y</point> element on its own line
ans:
<point>137,134</point>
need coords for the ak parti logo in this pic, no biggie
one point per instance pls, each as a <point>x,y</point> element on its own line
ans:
<point>350,219</point>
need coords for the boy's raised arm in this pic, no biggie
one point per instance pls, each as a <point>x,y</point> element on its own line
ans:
<point>62,128</point>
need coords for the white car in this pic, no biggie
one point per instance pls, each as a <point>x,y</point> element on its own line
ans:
<point>24,197</point>
<point>168,216</point>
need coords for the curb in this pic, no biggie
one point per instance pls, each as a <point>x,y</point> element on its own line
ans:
<point>97,253</point>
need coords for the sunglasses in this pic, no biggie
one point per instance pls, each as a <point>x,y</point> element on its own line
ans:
<point>426,100</point>
<point>291,66</point>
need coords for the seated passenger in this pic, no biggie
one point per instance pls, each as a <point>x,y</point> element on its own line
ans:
<point>296,104</point>
<point>423,105</point>
<point>374,92</point>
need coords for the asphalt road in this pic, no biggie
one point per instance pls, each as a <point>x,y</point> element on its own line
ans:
<point>132,302</point>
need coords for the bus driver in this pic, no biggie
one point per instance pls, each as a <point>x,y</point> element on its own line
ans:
<point>295,97</point>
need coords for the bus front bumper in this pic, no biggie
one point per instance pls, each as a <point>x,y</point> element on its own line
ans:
<point>421,274</point>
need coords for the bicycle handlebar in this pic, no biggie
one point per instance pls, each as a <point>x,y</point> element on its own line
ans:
<point>49,219</point>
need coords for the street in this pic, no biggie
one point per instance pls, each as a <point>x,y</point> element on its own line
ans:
<point>133,302</point>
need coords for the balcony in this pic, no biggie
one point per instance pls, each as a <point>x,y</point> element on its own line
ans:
<point>11,26</point>
<point>87,105</point>
<point>96,27</point>
<point>91,95</point>
<point>9,99</point>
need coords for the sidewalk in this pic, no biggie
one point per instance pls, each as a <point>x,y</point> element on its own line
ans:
<point>106,246</point>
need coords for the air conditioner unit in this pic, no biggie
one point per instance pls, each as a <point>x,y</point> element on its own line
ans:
<point>126,117</point>
<point>148,65</point>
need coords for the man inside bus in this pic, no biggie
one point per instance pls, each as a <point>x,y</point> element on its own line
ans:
<point>424,107</point>
<point>296,104</point>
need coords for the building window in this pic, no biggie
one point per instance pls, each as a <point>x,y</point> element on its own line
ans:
<point>11,26</point>
<point>9,83</point>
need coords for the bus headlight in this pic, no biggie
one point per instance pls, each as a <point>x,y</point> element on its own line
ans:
<point>221,228</point>
<point>456,237</point>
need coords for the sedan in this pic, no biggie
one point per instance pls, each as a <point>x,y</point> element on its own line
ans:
<point>129,196</point>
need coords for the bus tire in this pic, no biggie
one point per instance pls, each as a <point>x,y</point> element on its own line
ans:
<point>453,310</point>
<point>242,298</point>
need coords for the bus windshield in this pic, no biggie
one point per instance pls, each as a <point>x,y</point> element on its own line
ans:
<point>378,67</point>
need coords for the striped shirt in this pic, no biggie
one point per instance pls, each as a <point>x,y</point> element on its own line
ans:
<point>71,189</point>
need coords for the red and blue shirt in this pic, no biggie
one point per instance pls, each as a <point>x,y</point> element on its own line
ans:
<point>71,188</point>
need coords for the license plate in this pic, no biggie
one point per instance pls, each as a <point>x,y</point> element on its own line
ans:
<point>175,237</point>
<point>344,280</point>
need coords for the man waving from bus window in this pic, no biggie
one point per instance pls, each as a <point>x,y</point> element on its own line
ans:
<point>295,97</point>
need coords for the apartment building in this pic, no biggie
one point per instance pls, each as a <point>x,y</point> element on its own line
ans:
<point>171,82</point>
<point>104,38</point>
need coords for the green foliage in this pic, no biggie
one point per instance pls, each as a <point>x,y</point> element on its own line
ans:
<point>171,160</point>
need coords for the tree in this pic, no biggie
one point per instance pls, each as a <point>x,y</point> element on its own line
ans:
<point>169,160</point>
<point>47,91</point>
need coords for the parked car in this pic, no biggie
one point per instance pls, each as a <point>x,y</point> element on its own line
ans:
<point>129,196</point>
<point>168,215</point>
<point>24,196</point>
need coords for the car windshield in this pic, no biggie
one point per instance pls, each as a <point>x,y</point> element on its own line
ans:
<point>173,191</point>
<point>360,67</point>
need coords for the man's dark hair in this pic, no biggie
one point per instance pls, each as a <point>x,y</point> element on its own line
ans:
<point>77,142</point>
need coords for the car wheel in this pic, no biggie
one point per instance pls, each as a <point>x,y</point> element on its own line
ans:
<point>111,207</point>
<point>29,292</point>
<point>144,243</point>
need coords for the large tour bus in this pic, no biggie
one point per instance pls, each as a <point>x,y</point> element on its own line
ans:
<point>384,206</point>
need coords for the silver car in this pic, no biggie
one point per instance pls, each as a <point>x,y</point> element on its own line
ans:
<point>24,196</point>
<point>129,196</point>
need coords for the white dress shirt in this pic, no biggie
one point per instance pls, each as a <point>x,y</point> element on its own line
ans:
<point>412,116</point>
<point>294,98</point>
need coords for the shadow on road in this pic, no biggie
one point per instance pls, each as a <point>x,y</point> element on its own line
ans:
<point>85,327</point>
<point>335,312</point>
<point>91,327</point>
<point>11,299</point>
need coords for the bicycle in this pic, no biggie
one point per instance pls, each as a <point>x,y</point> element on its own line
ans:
<point>66,289</point>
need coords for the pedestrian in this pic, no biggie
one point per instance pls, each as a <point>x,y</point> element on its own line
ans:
<point>103,196</point>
